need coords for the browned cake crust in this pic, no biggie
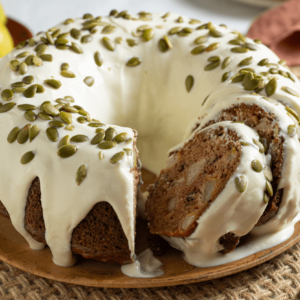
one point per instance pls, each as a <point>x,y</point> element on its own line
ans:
<point>187,188</point>
<point>98,236</point>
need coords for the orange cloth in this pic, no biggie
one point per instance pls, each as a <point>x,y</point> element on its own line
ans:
<point>279,28</point>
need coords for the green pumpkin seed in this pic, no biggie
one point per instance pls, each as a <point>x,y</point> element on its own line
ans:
<point>89,81</point>
<point>264,142</point>
<point>69,98</point>
<point>113,13</point>
<point>133,62</point>
<point>81,174</point>
<point>29,60</point>
<point>27,157</point>
<point>101,155</point>
<point>168,42</point>
<point>33,132</point>
<point>69,127</point>
<point>127,151</point>
<point>67,151</point>
<point>249,76</point>
<point>266,198</point>
<point>46,57</point>
<point>30,91</point>
<point>62,47</point>
<point>108,43</point>
<point>65,117</point>
<point>68,21</point>
<point>260,146</point>
<point>64,67</point>
<point>239,50</point>
<point>30,116</point>
<point>246,70</point>
<point>291,130</point>
<point>251,47</point>
<point>245,62</point>
<point>39,88</point>
<point>98,138</point>
<point>62,36</point>
<point>117,157</point>
<point>198,50</point>
<point>212,66</point>
<point>215,33</point>
<point>64,141</point>
<point>271,87</point>
<point>28,79</point>
<point>50,38</point>
<point>201,40</point>
<point>121,137</point>
<point>271,100</point>
<point>268,173</point>
<point>67,74</point>
<point>51,110</point>
<point>273,71</point>
<point>118,41</point>
<point>107,145</point>
<point>290,91</point>
<point>213,58</point>
<point>26,107</point>
<point>226,62</point>
<point>7,95</point>
<point>23,54</point>
<point>283,73</point>
<point>79,138</point>
<point>41,49</point>
<point>21,45</point>
<point>189,82</point>
<point>18,84</point>
<point>110,134</point>
<point>257,41</point>
<point>23,68</point>
<point>269,188</point>
<point>212,47</point>
<point>291,111</point>
<point>263,62</point>
<point>76,48</point>
<point>236,42</point>
<point>128,141</point>
<point>31,42</point>
<point>251,84</point>
<point>87,16</point>
<point>225,76</point>
<point>290,76</point>
<point>256,165</point>
<point>56,124</point>
<point>56,84</point>
<point>52,134</point>
<point>108,29</point>
<point>75,33</point>
<point>81,120</point>
<point>244,143</point>
<point>240,183</point>
<point>14,65</point>
<point>90,25</point>
<point>179,20</point>
<point>71,109</point>
<point>162,45</point>
<point>121,14</point>
<point>282,62</point>
<point>23,134</point>
<point>166,15</point>
<point>148,34</point>
<point>44,116</point>
<point>55,33</point>
<point>18,90</point>
<point>174,30</point>
<point>238,78</point>
<point>98,59</point>
<point>131,42</point>
<point>12,136</point>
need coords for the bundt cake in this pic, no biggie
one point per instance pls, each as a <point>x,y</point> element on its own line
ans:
<point>71,181</point>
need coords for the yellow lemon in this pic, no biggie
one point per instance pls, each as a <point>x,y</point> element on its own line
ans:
<point>6,41</point>
<point>2,15</point>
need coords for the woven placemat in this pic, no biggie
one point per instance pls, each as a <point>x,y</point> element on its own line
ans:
<point>277,279</point>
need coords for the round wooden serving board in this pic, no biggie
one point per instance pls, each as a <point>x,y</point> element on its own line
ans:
<point>15,251</point>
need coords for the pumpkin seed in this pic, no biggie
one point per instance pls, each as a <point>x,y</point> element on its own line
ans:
<point>64,66</point>
<point>108,29</point>
<point>179,20</point>
<point>76,48</point>
<point>14,65</point>
<point>273,71</point>
<point>81,120</point>
<point>44,116</point>
<point>110,134</point>
<point>98,59</point>
<point>212,47</point>
<point>291,130</point>
<point>68,21</point>
<point>131,42</point>
<point>260,146</point>
<point>133,62</point>
<point>23,54</point>
<point>23,134</point>
<point>113,13</point>
<point>240,183</point>
<point>198,50</point>
<point>117,157</point>
<point>251,47</point>
<point>12,136</point>
<point>51,110</point>
<point>26,107</point>
<point>90,25</point>
<point>55,33</point>
<point>201,40</point>
<point>189,82</point>
<point>264,142</point>
<point>17,90</point>
<point>27,157</point>
<point>52,134</point>
<point>7,95</point>
<point>79,138</point>
<point>41,49</point>
<point>75,33</point>
<point>225,76</point>
<point>239,50</point>
<point>212,66</point>
<point>214,58</point>
<point>128,141</point>
<point>18,84</point>
<point>81,174</point>
<point>168,42</point>
<point>263,62</point>
<point>70,99</point>
<point>256,165</point>
<point>271,87</point>
<point>226,62</point>
<point>163,46</point>
<point>127,151</point>
<point>59,106</point>
<point>238,78</point>
<point>64,141</point>
<point>266,198</point>
<point>46,57</point>
<point>246,70</point>
<point>89,81</point>
<point>166,15</point>
<point>23,68</point>
<point>271,100</point>
<point>290,91</point>
<point>118,41</point>
<point>245,62</point>
<point>121,14</point>
<point>69,127</point>
<point>249,76</point>
<point>67,74</point>
<point>257,41</point>
<point>56,123</point>
<point>39,88</point>
<point>37,61</point>
<point>269,188</point>
<point>21,45</point>
<point>290,76</point>
<point>108,43</point>
<point>50,38</point>
<point>87,16</point>
<point>282,73</point>
<point>30,91</point>
<point>107,145</point>
<point>98,138</point>
<point>101,155</point>
<point>148,34</point>
<point>121,137</point>
<point>33,132</point>
<point>31,42</point>
<point>236,42</point>
<point>28,79</point>
<point>215,33</point>
<point>251,84</point>
<point>268,173</point>
<point>30,115</point>
<point>70,109</point>
<point>174,30</point>
<point>65,117</point>
<point>96,124</point>
<point>244,143</point>
<point>291,111</point>
<point>67,151</point>
<point>56,84</point>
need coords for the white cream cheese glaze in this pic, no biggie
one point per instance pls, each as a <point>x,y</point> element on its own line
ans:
<point>150,97</point>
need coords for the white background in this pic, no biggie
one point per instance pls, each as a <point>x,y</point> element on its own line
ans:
<point>40,15</point>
